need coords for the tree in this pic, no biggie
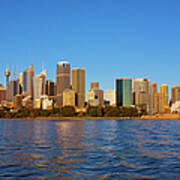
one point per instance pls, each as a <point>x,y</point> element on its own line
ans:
<point>99,111</point>
<point>92,111</point>
<point>110,111</point>
<point>68,111</point>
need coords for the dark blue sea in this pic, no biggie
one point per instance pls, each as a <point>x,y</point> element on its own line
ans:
<point>90,149</point>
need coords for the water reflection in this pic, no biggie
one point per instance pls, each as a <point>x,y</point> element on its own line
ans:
<point>92,149</point>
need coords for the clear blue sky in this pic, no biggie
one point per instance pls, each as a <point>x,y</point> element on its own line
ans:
<point>109,38</point>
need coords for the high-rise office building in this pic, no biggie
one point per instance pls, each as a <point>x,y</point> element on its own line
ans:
<point>69,97</point>
<point>123,92</point>
<point>12,89</point>
<point>175,94</point>
<point>39,85</point>
<point>164,93</point>
<point>28,75</point>
<point>2,93</point>
<point>17,100</point>
<point>95,95</point>
<point>78,84</point>
<point>20,83</point>
<point>152,91</point>
<point>62,80</point>
<point>50,88</point>
<point>140,93</point>
<point>110,97</point>
<point>158,102</point>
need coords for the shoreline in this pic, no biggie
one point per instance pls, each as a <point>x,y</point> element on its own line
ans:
<point>147,117</point>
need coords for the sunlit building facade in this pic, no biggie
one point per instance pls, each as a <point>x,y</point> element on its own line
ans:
<point>69,97</point>
<point>39,85</point>
<point>78,85</point>
<point>95,95</point>
<point>175,94</point>
<point>110,96</point>
<point>164,94</point>
<point>158,103</point>
<point>62,80</point>
<point>28,76</point>
<point>140,93</point>
<point>152,91</point>
<point>2,93</point>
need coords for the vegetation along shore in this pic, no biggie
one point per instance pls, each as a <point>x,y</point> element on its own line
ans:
<point>69,112</point>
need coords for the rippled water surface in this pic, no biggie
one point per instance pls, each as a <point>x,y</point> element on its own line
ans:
<point>90,149</point>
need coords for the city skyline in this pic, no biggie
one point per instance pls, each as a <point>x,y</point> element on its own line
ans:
<point>134,39</point>
<point>15,74</point>
<point>69,89</point>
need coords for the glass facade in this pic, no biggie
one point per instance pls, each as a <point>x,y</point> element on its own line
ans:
<point>123,92</point>
<point>25,81</point>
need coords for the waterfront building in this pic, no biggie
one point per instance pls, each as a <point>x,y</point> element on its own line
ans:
<point>12,89</point>
<point>78,84</point>
<point>2,93</point>
<point>46,102</point>
<point>37,104</point>
<point>140,93</point>
<point>158,103</point>
<point>17,101</point>
<point>20,83</point>
<point>95,95</point>
<point>175,108</point>
<point>175,94</point>
<point>55,89</point>
<point>152,91</point>
<point>164,93</point>
<point>123,92</point>
<point>69,97</point>
<point>50,88</point>
<point>39,85</point>
<point>28,76</point>
<point>62,80</point>
<point>110,97</point>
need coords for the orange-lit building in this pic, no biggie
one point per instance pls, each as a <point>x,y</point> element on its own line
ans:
<point>2,93</point>
<point>175,94</point>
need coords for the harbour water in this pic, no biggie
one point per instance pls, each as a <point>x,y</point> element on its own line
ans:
<point>90,149</point>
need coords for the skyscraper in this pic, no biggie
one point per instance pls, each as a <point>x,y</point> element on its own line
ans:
<point>123,92</point>
<point>152,91</point>
<point>12,89</point>
<point>175,94</point>
<point>69,97</point>
<point>28,75</point>
<point>2,93</point>
<point>50,88</point>
<point>78,85</point>
<point>20,83</point>
<point>164,93</point>
<point>110,96</point>
<point>95,95</point>
<point>140,93</point>
<point>39,85</point>
<point>158,103</point>
<point>62,80</point>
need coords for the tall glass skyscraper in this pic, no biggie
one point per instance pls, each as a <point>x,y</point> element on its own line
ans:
<point>123,92</point>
